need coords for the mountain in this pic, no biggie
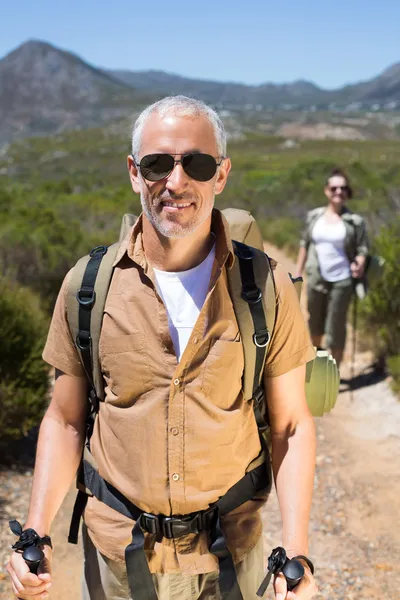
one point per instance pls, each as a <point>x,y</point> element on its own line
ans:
<point>229,94</point>
<point>45,90</point>
<point>383,90</point>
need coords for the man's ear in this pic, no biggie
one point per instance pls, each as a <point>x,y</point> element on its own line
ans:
<point>222,175</point>
<point>133,174</point>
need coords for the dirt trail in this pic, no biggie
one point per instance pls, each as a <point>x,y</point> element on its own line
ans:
<point>354,529</point>
<point>355,522</point>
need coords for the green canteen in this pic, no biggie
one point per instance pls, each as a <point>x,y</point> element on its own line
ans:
<point>322,383</point>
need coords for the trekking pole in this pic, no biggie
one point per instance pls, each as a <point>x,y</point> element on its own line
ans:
<point>293,572</point>
<point>278,562</point>
<point>33,556</point>
<point>29,545</point>
<point>353,352</point>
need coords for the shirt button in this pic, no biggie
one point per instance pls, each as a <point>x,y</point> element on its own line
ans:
<point>174,431</point>
<point>176,382</point>
<point>175,477</point>
<point>195,340</point>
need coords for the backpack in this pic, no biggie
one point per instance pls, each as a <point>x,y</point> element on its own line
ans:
<point>91,279</point>
<point>255,312</point>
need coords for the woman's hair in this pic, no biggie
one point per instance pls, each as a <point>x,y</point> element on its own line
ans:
<point>340,173</point>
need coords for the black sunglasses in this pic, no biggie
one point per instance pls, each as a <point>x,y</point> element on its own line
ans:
<point>343,188</point>
<point>201,167</point>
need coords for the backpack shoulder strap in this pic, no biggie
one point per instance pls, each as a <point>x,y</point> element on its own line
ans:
<point>252,291</point>
<point>86,297</point>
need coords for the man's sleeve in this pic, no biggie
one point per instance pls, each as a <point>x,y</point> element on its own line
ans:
<point>290,345</point>
<point>60,351</point>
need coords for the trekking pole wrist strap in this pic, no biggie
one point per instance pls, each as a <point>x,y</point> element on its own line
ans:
<point>306,560</point>
<point>28,537</point>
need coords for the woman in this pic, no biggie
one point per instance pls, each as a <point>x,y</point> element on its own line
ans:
<point>334,248</point>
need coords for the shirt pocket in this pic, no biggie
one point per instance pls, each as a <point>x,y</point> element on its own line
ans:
<point>125,366</point>
<point>222,373</point>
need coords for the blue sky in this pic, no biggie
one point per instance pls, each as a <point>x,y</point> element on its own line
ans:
<point>253,41</point>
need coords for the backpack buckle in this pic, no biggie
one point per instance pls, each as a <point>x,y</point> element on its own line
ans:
<point>176,527</point>
<point>94,401</point>
<point>252,295</point>
<point>243,251</point>
<point>98,250</point>
<point>259,396</point>
<point>261,338</point>
<point>83,340</point>
<point>150,523</point>
<point>86,297</point>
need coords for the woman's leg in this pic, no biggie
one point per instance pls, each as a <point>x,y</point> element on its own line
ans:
<point>317,310</point>
<point>336,321</point>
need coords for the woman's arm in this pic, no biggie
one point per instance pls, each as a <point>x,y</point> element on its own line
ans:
<point>301,261</point>
<point>362,250</point>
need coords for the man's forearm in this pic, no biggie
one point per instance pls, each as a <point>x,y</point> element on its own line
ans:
<point>293,460</point>
<point>58,455</point>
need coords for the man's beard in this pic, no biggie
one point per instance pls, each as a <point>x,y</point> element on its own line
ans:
<point>170,228</point>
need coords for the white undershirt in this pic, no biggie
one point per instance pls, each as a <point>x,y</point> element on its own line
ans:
<point>183,294</point>
<point>329,241</point>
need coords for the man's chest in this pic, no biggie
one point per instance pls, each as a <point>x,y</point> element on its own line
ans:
<point>137,352</point>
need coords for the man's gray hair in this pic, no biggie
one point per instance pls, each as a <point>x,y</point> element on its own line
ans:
<point>181,106</point>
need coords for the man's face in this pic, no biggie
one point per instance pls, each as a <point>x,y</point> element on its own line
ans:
<point>178,204</point>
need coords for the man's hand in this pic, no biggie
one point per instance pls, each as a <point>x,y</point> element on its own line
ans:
<point>59,450</point>
<point>25,584</point>
<point>305,590</point>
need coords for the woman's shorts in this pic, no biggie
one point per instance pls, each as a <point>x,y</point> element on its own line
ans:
<point>327,307</point>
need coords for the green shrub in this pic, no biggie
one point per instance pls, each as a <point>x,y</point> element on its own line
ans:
<point>44,233</point>
<point>381,309</point>
<point>394,368</point>
<point>24,377</point>
<point>283,232</point>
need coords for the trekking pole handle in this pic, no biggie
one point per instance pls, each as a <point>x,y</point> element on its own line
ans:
<point>293,571</point>
<point>33,556</point>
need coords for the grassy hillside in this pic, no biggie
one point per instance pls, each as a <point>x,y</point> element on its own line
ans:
<point>81,177</point>
<point>61,196</point>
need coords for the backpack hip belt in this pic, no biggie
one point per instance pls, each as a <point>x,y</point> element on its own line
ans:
<point>172,527</point>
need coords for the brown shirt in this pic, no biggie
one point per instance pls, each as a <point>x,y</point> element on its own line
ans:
<point>174,437</point>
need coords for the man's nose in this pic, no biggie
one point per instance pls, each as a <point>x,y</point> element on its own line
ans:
<point>178,179</point>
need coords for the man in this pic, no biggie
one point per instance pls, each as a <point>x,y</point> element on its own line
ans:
<point>174,433</point>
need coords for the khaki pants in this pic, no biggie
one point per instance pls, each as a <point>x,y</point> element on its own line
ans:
<point>327,307</point>
<point>105,579</point>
